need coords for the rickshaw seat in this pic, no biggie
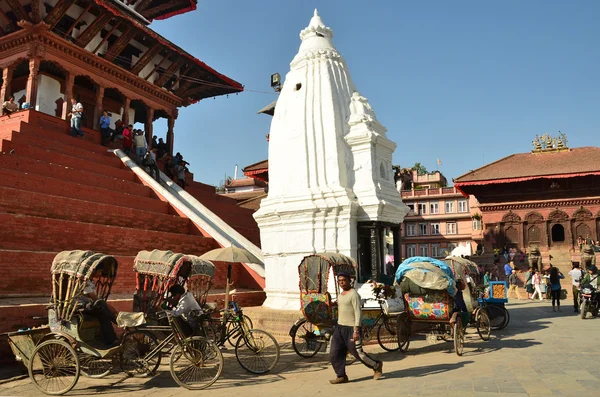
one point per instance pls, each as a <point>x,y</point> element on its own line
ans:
<point>317,307</point>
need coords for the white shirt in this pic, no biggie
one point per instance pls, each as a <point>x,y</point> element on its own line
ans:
<point>77,110</point>
<point>90,288</point>
<point>186,304</point>
<point>575,274</point>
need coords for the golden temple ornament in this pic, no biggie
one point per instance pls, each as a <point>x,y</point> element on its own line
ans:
<point>547,143</point>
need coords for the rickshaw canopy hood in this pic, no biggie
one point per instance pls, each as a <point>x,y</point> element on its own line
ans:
<point>171,264</point>
<point>82,264</point>
<point>462,267</point>
<point>427,273</point>
<point>314,270</point>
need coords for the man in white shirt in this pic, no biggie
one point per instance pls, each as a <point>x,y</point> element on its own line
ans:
<point>76,112</point>
<point>576,275</point>
<point>184,303</point>
<point>99,309</point>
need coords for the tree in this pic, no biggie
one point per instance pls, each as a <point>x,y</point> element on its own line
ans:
<point>420,168</point>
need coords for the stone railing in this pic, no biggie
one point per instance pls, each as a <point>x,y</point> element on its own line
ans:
<point>436,191</point>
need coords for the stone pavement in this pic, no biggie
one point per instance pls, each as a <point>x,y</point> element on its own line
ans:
<point>539,353</point>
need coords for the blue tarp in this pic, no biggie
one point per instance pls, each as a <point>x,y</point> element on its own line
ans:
<point>406,266</point>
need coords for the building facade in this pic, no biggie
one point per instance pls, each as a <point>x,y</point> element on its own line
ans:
<point>440,220</point>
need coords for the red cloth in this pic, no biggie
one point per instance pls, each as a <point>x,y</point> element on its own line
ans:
<point>127,138</point>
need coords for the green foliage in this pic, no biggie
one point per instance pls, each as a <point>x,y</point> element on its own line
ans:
<point>420,168</point>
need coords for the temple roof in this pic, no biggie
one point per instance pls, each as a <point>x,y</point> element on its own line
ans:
<point>269,109</point>
<point>260,166</point>
<point>244,182</point>
<point>527,166</point>
<point>156,9</point>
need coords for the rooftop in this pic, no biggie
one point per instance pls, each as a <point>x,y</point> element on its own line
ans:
<point>260,166</point>
<point>527,166</point>
<point>246,182</point>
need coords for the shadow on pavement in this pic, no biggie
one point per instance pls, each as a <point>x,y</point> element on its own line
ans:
<point>417,372</point>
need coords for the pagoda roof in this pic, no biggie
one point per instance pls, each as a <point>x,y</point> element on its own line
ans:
<point>201,87</point>
<point>269,109</point>
<point>520,167</point>
<point>260,166</point>
<point>149,10</point>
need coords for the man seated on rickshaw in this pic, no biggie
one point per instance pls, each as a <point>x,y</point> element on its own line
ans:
<point>459,301</point>
<point>98,308</point>
<point>185,307</point>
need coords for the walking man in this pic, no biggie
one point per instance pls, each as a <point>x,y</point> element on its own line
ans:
<point>347,336</point>
<point>576,276</point>
<point>513,280</point>
<point>76,112</point>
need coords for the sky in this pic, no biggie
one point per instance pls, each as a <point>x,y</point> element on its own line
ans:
<point>468,82</point>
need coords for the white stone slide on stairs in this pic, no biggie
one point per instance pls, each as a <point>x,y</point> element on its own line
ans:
<point>202,217</point>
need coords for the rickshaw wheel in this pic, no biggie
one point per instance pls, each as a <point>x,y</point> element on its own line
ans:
<point>54,367</point>
<point>304,341</point>
<point>236,335</point>
<point>94,367</point>
<point>498,316</point>
<point>404,328</point>
<point>134,348</point>
<point>196,363</point>
<point>387,335</point>
<point>459,337</point>
<point>257,351</point>
<point>482,321</point>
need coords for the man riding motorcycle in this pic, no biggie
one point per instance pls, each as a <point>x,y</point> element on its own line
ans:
<point>589,292</point>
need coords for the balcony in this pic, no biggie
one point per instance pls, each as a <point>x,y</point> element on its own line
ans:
<point>436,191</point>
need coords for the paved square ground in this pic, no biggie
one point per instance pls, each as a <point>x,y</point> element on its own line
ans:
<point>539,353</point>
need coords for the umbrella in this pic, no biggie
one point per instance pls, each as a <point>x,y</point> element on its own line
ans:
<point>230,255</point>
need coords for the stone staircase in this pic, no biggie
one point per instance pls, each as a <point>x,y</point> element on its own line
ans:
<point>60,193</point>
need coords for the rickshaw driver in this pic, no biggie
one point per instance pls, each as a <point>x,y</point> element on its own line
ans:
<point>98,308</point>
<point>346,335</point>
<point>184,304</point>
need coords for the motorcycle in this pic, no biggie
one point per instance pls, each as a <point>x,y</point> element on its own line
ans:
<point>588,301</point>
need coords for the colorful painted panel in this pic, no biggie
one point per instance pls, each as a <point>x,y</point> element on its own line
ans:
<point>433,306</point>
<point>369,316</point>
<point>316,309</point>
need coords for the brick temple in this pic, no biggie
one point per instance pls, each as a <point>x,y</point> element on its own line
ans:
<point>63,193</point>
<point>546,198</point>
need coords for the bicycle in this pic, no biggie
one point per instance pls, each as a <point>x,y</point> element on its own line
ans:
<point>256,350</point>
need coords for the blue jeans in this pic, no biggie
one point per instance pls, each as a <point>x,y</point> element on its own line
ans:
<point>76,126</point>
<point>139,154</point>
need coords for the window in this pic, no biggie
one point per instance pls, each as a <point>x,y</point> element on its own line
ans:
<point>411,229</point>
<point>463,206</point>
<point>436,250</point>
<point>435,229</point>
<point>424,249</point>
<point>411,250</point>
<point>411,209</point>
<point>422,229</point>
<point>434,208</point>
<point>476,224</point>
<point>451,228</point>
<point>449,207</point>
<point>449,250</point>
<point>422,209</point>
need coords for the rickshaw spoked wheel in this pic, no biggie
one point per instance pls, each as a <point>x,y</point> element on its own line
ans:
<point>54,367</point>
<point>304,340</point>
<point>94,367</point>
<point>459,336</point>
<point>404,329</point>
<point>133,353</point>
<point>257,351</point>
<point>482,322</point>
<point>498,315</point>
<point>196,363</point>
<point>387,335</point>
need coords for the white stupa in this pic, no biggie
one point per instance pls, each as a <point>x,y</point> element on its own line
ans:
<point>330,167</point>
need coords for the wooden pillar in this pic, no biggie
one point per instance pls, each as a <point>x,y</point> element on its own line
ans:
<point>126,107</point>
<point>7,74</point>
<point>170,135</point>
<point>99,107</point>
<point>32,82</point>
<point>69,83</point>
<point>148,126</point>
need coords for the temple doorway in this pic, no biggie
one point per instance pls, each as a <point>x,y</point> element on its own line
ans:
<point>558,233</point>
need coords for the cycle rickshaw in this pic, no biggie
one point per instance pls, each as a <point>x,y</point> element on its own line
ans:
<point>310,333</point>
<point>468,271</point>
<point>71,344</point>
<point>428,287</point>
<point>256,351</point>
